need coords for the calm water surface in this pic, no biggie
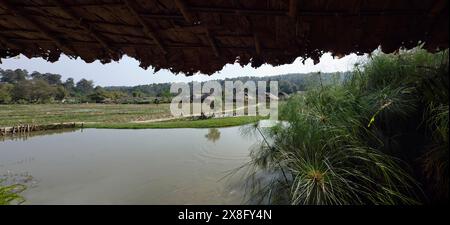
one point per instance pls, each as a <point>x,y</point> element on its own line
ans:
<point>152,166</point>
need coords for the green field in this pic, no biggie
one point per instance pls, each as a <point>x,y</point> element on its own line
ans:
<point>118,116</point>
<point>11,115</point>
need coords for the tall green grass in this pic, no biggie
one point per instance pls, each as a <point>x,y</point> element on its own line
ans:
<point>379,137</point>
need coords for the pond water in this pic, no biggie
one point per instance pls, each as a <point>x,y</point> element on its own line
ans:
<point>151,166</point>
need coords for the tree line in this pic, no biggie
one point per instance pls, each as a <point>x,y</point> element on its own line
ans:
<point>21,87</point>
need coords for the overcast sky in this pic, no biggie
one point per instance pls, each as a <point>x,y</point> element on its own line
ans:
<point>127,72</point>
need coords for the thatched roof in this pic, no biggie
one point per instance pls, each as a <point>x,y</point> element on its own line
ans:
<point>203,35</point>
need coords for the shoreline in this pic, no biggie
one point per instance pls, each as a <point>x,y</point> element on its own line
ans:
<point>165,123</point>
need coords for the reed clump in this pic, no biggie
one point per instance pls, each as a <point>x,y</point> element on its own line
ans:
<point>379,136</point>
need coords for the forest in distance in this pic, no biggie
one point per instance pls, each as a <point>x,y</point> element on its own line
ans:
<point>21,87</point>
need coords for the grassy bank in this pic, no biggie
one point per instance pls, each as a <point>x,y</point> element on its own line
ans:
<point>180,123</point>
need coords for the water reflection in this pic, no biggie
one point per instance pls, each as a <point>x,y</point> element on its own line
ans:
<point>28,135</point>
<point>101,166</point>
<point>213,135</point>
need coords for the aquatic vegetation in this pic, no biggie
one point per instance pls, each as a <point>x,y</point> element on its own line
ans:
<point>435,159</point>
<point>10,194</point>
<point>378,137</point>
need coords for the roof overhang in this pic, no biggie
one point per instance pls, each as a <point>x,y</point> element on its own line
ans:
<point>191,36</point>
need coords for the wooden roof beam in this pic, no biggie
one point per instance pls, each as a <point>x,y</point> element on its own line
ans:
<point>437,7</point>
<point>433,15</point>
<point>42,29</point>
<point>357,7</point>
<point>145,27</point>
<point>131,44</point>
<point>181,5</point>
<point>87,28</point>
<point>4,42</point>
<point>238,11</point>
<point>305,13</point>
<point>76,5</point>
<point>249,26</point>
<point>212,42</point>
<point>257,45</point>
<point>359,28</point>
<point>161,16</point>
<point>293,8</point>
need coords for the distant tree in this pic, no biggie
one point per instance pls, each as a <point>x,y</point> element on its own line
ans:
<point>53,79</point>
<point>85,86</point>
<point>60,93</point>
<point>115,95</point>
<point>99,95</point>
<point>137,94</point>
<point>33,91</point>
<point>50,78</point>
<point>22,91</point>
<point>5,93</point>
<point>69,84</point>
<point>13,77</point>
<point>42,91</point>
<point>36,75</point>
<point>286,86</point>
<point>166,95</point>
<point>98,88</point>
